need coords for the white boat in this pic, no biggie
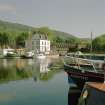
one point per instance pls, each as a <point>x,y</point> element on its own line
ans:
<point>41,56</point>
<point>28,55</point>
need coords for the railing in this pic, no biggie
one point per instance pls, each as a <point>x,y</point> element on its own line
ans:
<point>80,63</point>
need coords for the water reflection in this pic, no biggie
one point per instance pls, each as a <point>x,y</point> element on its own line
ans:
<point>44,64</point>
<point>74,91</point>
<point>73,95</point>
<point>16,69</point>
<point>44,68</point>
<point>5,96</point>
<point>32,82</point>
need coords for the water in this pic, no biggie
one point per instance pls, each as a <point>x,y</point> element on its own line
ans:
<point>74,92</point>
<point>31,82</point>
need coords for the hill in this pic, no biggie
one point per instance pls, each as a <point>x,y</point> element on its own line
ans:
<point>63,35</point>
<point>15,28</point>
<point>15,35</point>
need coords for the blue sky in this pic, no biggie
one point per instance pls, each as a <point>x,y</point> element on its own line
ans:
<point>77,17</point>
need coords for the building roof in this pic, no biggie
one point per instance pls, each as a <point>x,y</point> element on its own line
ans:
<point>40,36</point>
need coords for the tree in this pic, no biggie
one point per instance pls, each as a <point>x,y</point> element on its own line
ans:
<point>57,39</point>
<point>45,31</point>
<point>4,39</point>
<point>20,39</point>
<point>99,43</point>
<point>72,40</point>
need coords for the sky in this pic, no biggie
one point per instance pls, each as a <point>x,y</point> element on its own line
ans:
<point>77,17</point>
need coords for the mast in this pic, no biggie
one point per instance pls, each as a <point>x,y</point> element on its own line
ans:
<point>91,47</point>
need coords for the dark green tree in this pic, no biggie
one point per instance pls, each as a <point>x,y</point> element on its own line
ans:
<point>20,40</point>
<point>99,43</point>
<point>4,39</point>
<point>45,31</point>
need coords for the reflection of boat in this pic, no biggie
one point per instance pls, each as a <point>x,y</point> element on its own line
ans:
<point>74,81</point>
<point>83,70</point>
<point>74,92</point>
<point>41,56</point>
<point>73,95</point>
<point>93,94</point>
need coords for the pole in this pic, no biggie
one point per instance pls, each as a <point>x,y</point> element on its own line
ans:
<point>91,47</point>
<point>91,42</point>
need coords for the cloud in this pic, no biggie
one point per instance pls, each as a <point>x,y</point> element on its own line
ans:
<point>7,8</point>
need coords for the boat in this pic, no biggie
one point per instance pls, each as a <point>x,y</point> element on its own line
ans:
<point>41,56</point>
<point>93,94</point>
<point>77,81</point>
<point>28,55</point>
<point>10,55</point>
<point>82,70</point>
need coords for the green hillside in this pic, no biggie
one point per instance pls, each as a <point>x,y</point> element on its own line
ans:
<point>18,28</point>
<point>63,35</point>
<point>13,28</point>
<point>14,34</point>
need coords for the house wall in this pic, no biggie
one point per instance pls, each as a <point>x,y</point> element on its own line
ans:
<point>38,43</point>
<point>44,46</point>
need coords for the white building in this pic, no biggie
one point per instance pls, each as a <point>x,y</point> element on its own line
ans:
<point>38,43</point>
<point>45,46</point>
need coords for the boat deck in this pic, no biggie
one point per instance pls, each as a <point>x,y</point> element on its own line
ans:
<point>100,86</point>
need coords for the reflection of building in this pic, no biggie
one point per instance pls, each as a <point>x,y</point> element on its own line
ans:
<point>44,63</point>
<point>38,43</point>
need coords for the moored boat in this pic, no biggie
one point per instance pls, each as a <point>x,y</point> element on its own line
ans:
<point>93,94</point>
<point>28,55</point>
<point>83,71</point>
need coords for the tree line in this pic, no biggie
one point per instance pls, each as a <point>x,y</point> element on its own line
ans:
<point>14,40</point>
<point>9,40</point>
<point>17,40</point>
